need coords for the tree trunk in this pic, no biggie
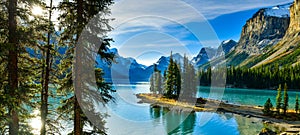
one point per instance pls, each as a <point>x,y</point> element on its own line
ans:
<point>78,127</point>
<point>13,68</point>
<point>44,106</point>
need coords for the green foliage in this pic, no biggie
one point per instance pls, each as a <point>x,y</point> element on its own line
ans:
<point>189,81</point>
<point>236,59</point>
<point>172,80</point>
<point>285,99</point>
<point>258,59</point>
<point>289,59</point>
<point>156,81</point>
<point>242,77</point>
<point>268,108</point>
<point>19,70</point>
<point>278,99</point>
<point>74,17</point>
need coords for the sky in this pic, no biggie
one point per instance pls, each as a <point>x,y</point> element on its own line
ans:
<point>148,29</point>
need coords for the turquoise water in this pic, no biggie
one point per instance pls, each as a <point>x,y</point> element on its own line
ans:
<point>246,96</point>
<point>129,117</point>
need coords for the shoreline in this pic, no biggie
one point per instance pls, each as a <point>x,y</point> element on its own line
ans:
<point>219,106</point>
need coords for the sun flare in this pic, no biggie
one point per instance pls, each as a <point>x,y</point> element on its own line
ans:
<point>36,122</point>
<point>37,10</point>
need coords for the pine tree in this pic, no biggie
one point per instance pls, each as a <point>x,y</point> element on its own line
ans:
<point>177,74</point>
<point>152,81</point>
<point>297,104</point>
<point>278,99</point>
<point>18,34</point>
<point>268,107</point>
<point>159,83</point>
<point>13,67</point>
<point>285,99</point>
<point>189,82</point>
<point>169,80</point>
<point>46,74</point>
<point>172,80</point>
<point>75,15</point>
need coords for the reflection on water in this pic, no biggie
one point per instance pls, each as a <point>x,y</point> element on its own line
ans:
<point>129,117</point>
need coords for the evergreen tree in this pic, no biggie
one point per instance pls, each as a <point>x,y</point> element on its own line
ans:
<point>297,104</point>
<point>177,90</point>
<point>152,81</point>
<point>172,80</point>
<point>278,99</point>
<point>268,107</point>
<point>158,82</point>
<point>189,82</point>
<point>75,15</point>
<point>285,99</point>
<point>169,79</point>
<point>18,87</point>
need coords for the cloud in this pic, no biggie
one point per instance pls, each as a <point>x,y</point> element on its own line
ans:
<point>214,8</point>
<point>183,11</point>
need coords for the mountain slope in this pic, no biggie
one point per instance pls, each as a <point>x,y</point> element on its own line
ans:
<point>204,56</point>
<point>265,29</point>
<point>287,50</point>
<point>225,47</point>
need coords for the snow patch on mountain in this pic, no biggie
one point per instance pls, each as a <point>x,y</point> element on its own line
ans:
<point>279,11</point>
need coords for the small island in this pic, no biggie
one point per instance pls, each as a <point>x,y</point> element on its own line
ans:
<point>177,90</point>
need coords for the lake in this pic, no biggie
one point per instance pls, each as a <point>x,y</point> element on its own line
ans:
<point>129,117</point>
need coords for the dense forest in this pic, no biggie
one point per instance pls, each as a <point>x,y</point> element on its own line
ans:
<point>39,63</point>
<point>264,77</point>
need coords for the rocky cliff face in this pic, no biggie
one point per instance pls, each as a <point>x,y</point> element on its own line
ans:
<point>225,47</point>
<point>266,27</point>
<point>287,49</point>
<point>204,56</point>
<point>294,28</point>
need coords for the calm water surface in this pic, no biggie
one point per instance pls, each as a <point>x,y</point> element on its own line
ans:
<point>129,117</point>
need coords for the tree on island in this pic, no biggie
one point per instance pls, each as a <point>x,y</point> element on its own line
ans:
<point>278,99</point>
<point>285,99</point>
<point>152,83</point>
<point>156,81</point>
<point>297,104</point>
<point>189,83</point>
<point>268,108</point>
<point>172,80</point>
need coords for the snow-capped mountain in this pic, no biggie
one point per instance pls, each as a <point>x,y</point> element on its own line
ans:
<point>279,11</point>
<point>225,47</point>
<point>123,69</point>
<point>204,56</point>
<point>163,62</point>
<point>128,70</point>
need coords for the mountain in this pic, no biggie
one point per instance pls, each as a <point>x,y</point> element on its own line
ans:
<point>260,33</point>
<point>128,70</point>
<point>225,47</point>
<point>287,51</point>
<point>204,56</point>
<point>123,70</point>
<point>163,62</point>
